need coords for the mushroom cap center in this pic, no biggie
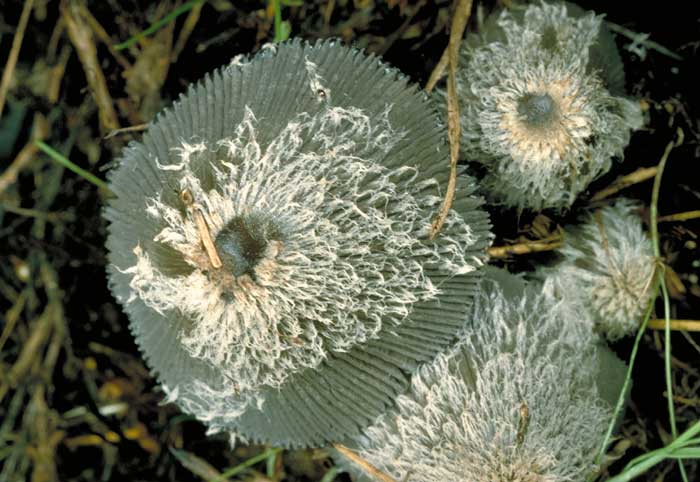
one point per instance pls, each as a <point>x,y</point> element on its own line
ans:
<point>243,243</point>
<point>537,110</point>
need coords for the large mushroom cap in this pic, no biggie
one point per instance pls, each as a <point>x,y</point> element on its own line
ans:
<point>269,243</point>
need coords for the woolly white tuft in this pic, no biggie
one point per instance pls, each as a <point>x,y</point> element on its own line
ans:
<point>607,270</point>
<point>515,401</point>
<point>341,240</point>
<point>535,114</point>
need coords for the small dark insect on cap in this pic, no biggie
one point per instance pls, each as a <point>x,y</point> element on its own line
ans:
<point>269,243</point>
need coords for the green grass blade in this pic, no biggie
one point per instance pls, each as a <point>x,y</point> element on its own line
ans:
<point>654,215</point>
<point>330,475</point>
<point>245,465</point>
<point>65,162</point>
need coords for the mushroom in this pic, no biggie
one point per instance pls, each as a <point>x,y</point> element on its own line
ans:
<point>606,269</point>
<point>542,107</point>
<point>515,400</point>
<point>270,243</point>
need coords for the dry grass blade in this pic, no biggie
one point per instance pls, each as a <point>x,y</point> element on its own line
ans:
<point>186,31</point>
<point>438,72</point>
<point>362,463</point>
<point>676,325</point>
<point>196,465</point>
<point>104,37</point>
<point>81,36</point>
<point>524,248</point>
<point>39,131</point>
<point>40,332</point>
<point>14,52</point>
<point>685,216</point>
<point>640,175</point>
<point>459,23</point>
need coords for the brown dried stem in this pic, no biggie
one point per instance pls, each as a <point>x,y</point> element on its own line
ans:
<point>459,23</point>
<point>14,52</point>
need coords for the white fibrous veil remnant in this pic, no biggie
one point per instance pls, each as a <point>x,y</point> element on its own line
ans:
<point>514,401</point>
<point>346,257</point>
<point>319,209</point>
<point>606,269</point>
<point>537,112</point>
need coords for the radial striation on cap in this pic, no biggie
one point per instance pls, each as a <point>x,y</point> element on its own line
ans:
<point>270,243</point>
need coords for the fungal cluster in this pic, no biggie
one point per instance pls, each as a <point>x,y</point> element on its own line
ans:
<point>270,241</point>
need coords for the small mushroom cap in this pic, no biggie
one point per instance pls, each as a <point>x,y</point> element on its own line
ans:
<point>606,270</point>
<point>542,111</point>
<point>604,56</point>
<point>315,170</point>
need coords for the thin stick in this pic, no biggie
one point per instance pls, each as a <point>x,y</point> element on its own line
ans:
<point>640,175</point>
<point>14,52</point>
<point>524,248</point>
<point>81,38</point>
<point>363,464</point>
<point>459,23</point>
<point>677,325</point>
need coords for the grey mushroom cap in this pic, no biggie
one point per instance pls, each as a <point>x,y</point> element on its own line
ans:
<point>516,399</point>
<point>317,170</point>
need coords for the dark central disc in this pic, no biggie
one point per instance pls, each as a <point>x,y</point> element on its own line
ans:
<point>537,109</point>
<point>242,243</point>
